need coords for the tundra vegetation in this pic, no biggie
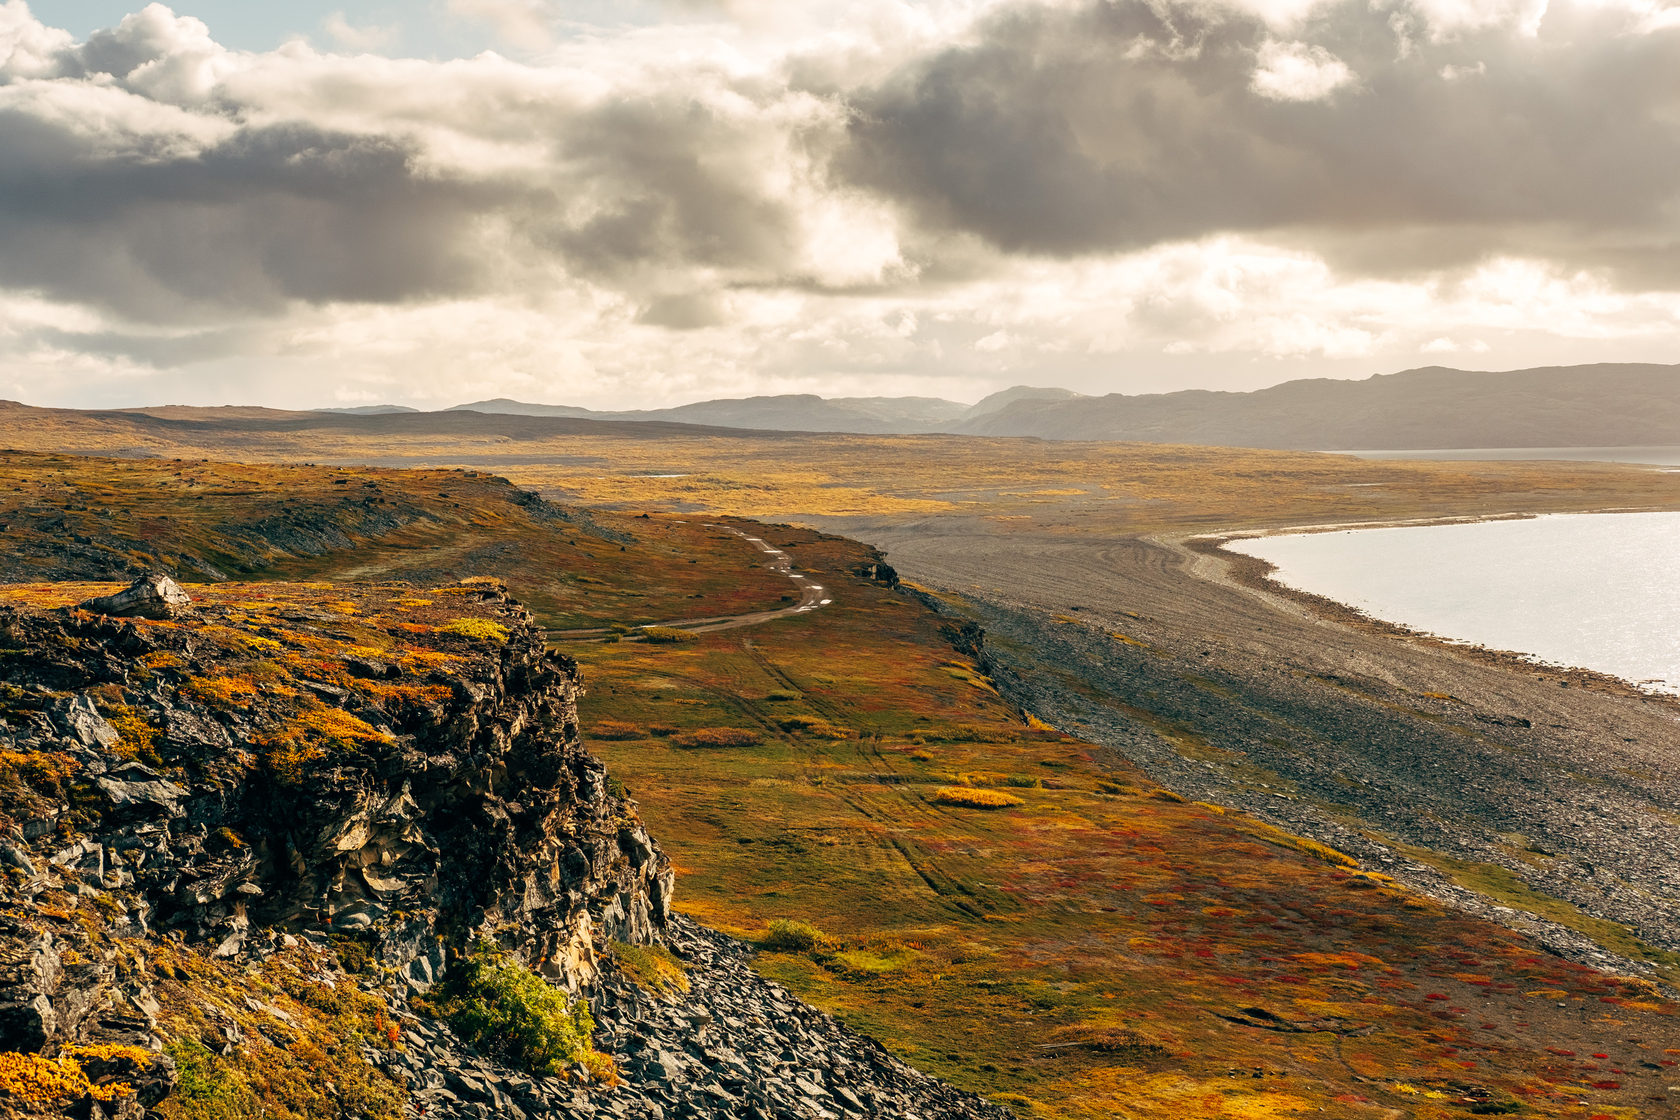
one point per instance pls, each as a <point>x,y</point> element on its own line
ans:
<point>1101,946</point>
<point>1097,947</point>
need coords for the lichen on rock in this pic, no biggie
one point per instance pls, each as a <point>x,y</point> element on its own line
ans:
<point>291,800</point>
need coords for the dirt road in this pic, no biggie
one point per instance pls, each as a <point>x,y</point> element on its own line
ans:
<point>812,596</point>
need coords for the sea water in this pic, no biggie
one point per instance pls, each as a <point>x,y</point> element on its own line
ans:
<point>1595,591</point>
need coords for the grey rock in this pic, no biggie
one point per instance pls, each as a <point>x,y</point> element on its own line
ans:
<point>79,719</point>
<point>154,596</point>
<point>163,795</point>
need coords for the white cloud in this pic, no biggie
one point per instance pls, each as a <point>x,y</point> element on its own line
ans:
<point>1298,72</point>
<point>695,209</point>
<point>527,24</point>
<point>28,48</point>
<point>360,38</point>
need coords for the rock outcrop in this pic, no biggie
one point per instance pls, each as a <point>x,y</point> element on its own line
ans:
<point>239,850</point>
<point>153,596</point>
<point>226,784</point>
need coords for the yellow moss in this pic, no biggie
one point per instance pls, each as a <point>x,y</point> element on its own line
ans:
<point>311,736</point>
<point>222,692</point>
<point>139,738</point>
<point>478,629</point>
<point>38,1082</point>
<point>37,769</point>
<point>976,798</point>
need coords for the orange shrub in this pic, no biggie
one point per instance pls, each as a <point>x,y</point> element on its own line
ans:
<point>976,798</point>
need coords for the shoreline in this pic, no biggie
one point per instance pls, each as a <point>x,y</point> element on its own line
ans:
<point>1467,773</point>
<point>1253,574</point>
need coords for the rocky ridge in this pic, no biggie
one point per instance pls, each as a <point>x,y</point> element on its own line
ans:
<point>241,844</point>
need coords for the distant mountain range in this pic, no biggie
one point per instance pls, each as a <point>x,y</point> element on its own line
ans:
<point>1555,406</point>
<point>794,412</point>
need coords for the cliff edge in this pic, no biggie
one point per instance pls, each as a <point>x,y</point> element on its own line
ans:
<point>316,851</point>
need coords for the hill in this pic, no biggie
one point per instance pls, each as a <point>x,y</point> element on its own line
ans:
<point>1419,409</point>
<point>793,412</point>
<point>1436,407</point>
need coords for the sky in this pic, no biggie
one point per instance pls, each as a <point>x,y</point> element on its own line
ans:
<point>637,203</point>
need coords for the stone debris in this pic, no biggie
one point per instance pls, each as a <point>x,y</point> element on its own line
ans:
<point>733,1047</point>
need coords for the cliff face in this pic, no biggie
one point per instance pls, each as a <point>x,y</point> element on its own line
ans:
<point>243,848</point>
<point>389,775</point>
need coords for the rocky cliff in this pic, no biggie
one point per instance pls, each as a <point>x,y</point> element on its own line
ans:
<point>246,844</point>
<point>397,776</point>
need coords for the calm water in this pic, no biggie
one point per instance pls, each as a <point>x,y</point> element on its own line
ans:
<point>1660,456</point>
<point>1598,591</point>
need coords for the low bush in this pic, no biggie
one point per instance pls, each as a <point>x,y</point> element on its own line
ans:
<point>665,635</point>
<point>500,1006</point>
<point>976,798</point>
<point>477,629</point>
<point>816,727</point>
<point>717,737</point>
<point>615,731</point>
<point>785,935</point>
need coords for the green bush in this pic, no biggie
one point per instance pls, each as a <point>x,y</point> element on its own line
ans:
<point>665,635</point>
<point>506,1010</point>
<point>787,936</point>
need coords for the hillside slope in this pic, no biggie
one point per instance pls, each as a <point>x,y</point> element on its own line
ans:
<point>308,851</point>
<point>1573,406</point>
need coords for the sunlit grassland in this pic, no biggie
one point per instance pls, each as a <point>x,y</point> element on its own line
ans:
<point>109,517</point>
<point>1066,486</point>
<point>1101,949</point>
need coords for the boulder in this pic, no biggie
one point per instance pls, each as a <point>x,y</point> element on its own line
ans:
<point>154,596</point>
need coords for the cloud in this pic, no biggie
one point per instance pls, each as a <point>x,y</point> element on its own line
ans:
<point>365,38</point>
<point>1112,126</point>
<point>524,23</point>
<point>857,195</point>
<point>160,176</point>
<point>1298,72</point>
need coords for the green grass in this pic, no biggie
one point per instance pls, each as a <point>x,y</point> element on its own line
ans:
<point>206,1089</point>
<point>1506,888</point>
<point>653,968</point>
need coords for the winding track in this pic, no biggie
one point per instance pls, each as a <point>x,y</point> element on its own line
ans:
<point>812,596</point>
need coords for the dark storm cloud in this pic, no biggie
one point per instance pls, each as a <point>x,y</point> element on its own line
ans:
<point>1118,125</point>
<point>135,179</point>
<point>267,215</point>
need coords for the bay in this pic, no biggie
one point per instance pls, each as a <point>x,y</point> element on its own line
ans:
<point>1592,591</point>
